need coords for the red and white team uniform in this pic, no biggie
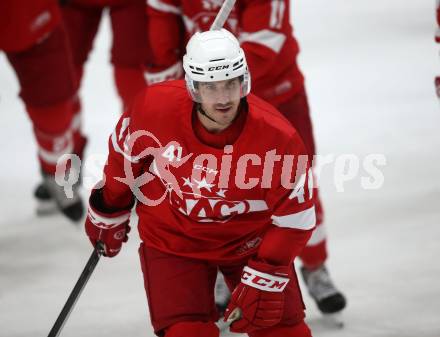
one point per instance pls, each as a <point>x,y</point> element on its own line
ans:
<point>202,205</point>
<point>265,33</point>
<point>129,49</point>
<point>36,45</point>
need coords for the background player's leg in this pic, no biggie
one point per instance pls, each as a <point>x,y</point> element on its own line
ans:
<point>130,49</point>
<point>47,83</point>
<point>319,284</point>
<point>81,24</point>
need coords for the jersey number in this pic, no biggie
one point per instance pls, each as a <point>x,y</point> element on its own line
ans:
<point>170,153</point>
<point>298,190</point>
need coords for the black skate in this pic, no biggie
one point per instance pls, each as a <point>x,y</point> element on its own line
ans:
<point>328,298</point>
<point>45,203</point>
<point>52,199</point>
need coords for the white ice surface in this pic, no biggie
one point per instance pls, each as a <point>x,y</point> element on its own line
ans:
<point>369,67</point>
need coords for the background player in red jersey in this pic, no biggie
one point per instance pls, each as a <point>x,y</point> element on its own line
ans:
<point>35,43</point>
<point>129,50</point>
<point>212,194</point>
<point>264,30</point>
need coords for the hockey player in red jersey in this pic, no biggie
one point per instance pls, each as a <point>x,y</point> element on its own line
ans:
<point>265,33</point>
<point>35,43</point>
<point>129,50</point>
<point>222,182</point>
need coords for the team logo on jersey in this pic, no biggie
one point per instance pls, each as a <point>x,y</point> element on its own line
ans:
<point>204,201</point>
<point>199,186</point>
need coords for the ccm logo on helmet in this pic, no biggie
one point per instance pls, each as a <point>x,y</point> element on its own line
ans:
<point>218,67</point>
<point>263,281</point>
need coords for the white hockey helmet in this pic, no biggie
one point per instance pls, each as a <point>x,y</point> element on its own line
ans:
<point>214,55</point>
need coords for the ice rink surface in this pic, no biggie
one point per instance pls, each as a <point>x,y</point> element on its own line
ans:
<point>369,67</point>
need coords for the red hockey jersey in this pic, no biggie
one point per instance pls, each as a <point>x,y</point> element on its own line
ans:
<point>262,26</point>
<point>198,201</point>
<point>23,23</point>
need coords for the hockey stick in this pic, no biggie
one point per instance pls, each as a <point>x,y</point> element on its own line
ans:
<point>77,290</point>
<point>222,15</point>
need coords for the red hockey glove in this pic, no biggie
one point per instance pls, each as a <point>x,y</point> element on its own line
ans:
<point>109,227</point>
<point>259,297</point>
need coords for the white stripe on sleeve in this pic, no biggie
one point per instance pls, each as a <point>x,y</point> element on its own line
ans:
<point>319,234</point>
<point>304,220</point>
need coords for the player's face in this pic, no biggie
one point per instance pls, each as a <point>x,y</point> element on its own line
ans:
<point>221,99</point>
